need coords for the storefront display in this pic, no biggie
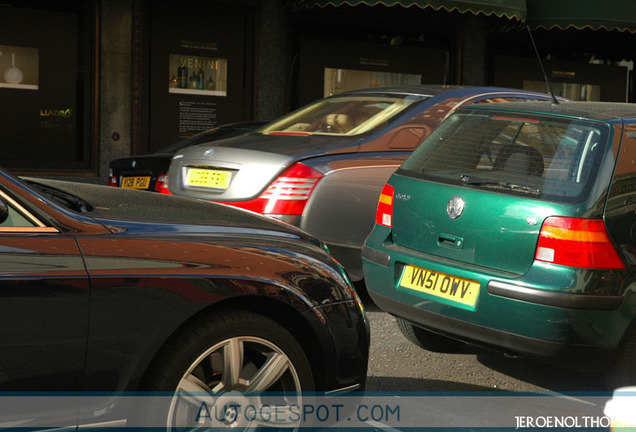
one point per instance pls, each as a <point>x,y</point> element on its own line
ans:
<point>341,80</point>
<point>20,66</point>
<point>197,75</point>
<point>46,88</point>
<point>573,80</point>
<point>350,65</point>
<point>574,91</point>
<point>198,72</point>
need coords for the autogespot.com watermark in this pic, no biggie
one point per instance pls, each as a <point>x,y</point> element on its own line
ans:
<point>306,414</point>
<point>397,411</point>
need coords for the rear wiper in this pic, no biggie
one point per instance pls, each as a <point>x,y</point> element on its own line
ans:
<point>498,183</point>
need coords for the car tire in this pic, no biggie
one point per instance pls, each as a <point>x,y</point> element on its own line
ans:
<point>218,366</point>
<point>428,340</point>
<point>622,372</point>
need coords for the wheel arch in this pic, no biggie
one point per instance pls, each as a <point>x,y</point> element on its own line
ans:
<point>297,322</point>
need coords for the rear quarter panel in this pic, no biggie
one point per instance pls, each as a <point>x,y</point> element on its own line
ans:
<point>341,210</point>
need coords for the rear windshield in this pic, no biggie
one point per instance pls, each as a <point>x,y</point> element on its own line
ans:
<point>545,157</point>
<point>218,133</point>
<point>343,115</point>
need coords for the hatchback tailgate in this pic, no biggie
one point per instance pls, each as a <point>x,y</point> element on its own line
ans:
<point>501,235</point>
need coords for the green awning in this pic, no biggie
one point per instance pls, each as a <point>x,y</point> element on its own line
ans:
<point>579,14</point>
<point>512,9</point>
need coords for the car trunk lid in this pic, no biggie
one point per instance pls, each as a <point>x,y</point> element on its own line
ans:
<point>236,170</point>
<point>225,174</point>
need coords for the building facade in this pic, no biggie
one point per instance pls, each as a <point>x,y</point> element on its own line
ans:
<point>83,82</point>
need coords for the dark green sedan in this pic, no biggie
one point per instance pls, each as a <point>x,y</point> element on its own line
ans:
<point>513,226</point>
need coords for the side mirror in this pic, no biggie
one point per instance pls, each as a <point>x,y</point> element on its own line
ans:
<point>4,211</point>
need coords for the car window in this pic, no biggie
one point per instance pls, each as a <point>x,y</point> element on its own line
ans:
<point>626,164</point>
<point>18,217</point>
<point>15,219</point>
<point>344,115</point>
<point>622,198</point>
<point>540,156</point>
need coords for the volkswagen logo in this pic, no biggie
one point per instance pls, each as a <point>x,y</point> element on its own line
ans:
<point>455,207</point>
<point>208,153</point>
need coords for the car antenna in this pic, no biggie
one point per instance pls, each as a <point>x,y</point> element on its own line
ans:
<point>545,75</point>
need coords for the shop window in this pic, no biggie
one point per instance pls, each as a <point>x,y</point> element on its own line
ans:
<point>20,66</point>
<point>196,69</point>
<point>574,91</point>
<point>197,75</point>
<point>341,80</point>
<point>47,86</point>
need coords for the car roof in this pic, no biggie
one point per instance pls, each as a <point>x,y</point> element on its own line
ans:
<point>433,90</point>
<point>605,111</point>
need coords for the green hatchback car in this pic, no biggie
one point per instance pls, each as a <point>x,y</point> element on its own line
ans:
<point>513,226</point>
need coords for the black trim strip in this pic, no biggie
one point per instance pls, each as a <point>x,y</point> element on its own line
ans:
<point>552,298</point>
<point>376,256</point>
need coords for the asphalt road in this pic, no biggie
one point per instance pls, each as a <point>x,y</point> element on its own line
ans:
<point>397,365</point>
<point>475,389</point>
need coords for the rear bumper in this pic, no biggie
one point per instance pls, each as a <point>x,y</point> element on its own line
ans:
<point>518,292</point>
<point>576,317</point>
<point>584,357</point>
<point>556,299</point>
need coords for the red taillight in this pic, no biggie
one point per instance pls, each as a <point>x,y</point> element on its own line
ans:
<point>161,185</point>
<point>384,215</point>
<point>577,242</point>
<point>287,195</point>
<point>112,181</point>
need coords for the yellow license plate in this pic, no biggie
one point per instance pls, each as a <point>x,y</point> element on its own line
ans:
<point>135,182</point>
<point>464,291</point>
<point>208,178</point>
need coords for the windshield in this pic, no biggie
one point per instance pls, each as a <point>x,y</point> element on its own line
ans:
<point>343,115</point>
<point>548,157</point>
